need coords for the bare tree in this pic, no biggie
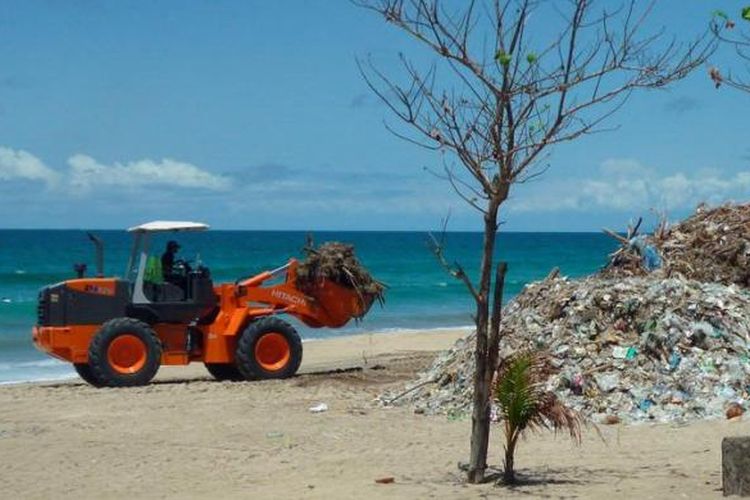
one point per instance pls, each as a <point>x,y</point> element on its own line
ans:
<point>519,77</point>
<point>737,37</point>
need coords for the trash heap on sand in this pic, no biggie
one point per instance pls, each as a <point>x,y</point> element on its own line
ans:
<point>710,246</point>
<point>632,346</point>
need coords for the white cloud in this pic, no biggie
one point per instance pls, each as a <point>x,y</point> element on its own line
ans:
<point>86,172</point>
<point>626,185</point>
<point>19,164</point>
<point>622,167</point>
<point>352,192</point>
<point>618,193</point>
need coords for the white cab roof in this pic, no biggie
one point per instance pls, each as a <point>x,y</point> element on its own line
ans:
<point>168,225</point>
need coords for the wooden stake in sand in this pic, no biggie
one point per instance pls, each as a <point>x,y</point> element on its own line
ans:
<point>735,466</point>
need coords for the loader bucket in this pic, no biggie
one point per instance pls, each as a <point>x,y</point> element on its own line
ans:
<point>340,304</point>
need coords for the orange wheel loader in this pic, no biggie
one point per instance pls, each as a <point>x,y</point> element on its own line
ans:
<point>117,332</point>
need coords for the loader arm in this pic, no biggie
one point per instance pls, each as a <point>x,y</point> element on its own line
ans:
<point>327,305</point>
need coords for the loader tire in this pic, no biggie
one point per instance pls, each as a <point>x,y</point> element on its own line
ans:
<point>124,352</point>
<point>269,348</point>
<point>84,371</point>
<point>224,371</point>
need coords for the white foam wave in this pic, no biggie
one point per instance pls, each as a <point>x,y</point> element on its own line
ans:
<point>386,331</point>
<point>462,328</point>
<point>35,370</point>
<point>40,378</point>
<point>42,363</point>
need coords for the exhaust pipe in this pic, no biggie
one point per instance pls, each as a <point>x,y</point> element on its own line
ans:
<point>80,270</point>
<point>99,254</point>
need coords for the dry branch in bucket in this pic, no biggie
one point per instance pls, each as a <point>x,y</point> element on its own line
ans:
<point>336,262</point>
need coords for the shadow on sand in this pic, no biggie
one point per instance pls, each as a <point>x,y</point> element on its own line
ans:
<point>208,378</point>
<point>553,477</point>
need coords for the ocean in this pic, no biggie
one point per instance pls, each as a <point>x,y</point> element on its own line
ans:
<point>421,295</point>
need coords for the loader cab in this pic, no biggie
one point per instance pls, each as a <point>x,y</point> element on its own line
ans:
<point>154,299</point>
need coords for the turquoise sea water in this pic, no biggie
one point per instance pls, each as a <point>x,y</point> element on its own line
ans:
<point>420,295</point>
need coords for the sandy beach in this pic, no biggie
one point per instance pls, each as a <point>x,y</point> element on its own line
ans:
<point>187,436</point>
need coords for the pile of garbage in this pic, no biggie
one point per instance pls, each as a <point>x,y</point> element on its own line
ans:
<point>713,245</point>
<point>337,262</point>
<point>627,349</point>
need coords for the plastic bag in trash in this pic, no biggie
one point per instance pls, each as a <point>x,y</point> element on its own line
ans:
<point>649,254</point>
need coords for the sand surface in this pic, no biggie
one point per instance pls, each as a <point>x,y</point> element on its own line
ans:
<point>187,436</point>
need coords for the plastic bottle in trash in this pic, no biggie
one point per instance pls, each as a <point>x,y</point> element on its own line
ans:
<point>674,360</point>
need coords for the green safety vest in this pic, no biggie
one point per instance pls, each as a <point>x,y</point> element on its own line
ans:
<point>153,273</point>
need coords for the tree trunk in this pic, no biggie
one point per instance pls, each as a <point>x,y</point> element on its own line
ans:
<point>480,419</point>
<point>509,473</point>
<point>497,316</point>
<point>509,468</point>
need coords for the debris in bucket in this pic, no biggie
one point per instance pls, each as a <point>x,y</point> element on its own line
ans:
<point>336,262</point>
<point>670,345</point>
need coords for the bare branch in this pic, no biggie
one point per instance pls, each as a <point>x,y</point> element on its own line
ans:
<point>454,269</point>
<point>738,39</point>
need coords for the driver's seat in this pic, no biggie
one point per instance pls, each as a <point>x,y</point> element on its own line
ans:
<point>171,293</point>
<point>154,286</point>
<point>169,303</point>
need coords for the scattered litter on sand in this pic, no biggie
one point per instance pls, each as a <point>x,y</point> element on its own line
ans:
<point>630,346</point>
<point>319,408</point>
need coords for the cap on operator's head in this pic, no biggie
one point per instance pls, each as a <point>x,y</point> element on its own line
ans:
<point>173,245</point>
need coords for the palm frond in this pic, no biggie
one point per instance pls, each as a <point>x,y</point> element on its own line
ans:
<point>559,417</point>
<point>520,387</point>
<point>524,403</point>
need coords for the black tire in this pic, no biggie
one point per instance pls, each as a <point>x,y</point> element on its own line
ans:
<point>99,361</point>
<point>224,371</point>
<point>250,367</point>
<point>84,371</point>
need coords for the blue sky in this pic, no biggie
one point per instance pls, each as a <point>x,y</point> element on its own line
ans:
<point>252,115</point>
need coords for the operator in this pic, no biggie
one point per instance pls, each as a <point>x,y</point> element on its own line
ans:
<point>167,264</point>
